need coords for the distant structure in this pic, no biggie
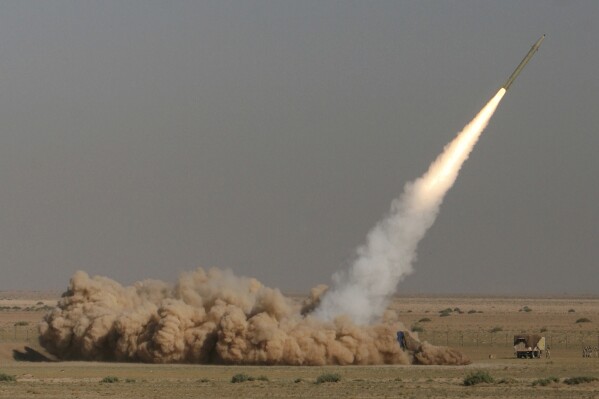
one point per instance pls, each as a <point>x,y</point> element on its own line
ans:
<point>529,346</point>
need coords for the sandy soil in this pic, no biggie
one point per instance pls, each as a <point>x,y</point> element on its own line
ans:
<point>513,377</point>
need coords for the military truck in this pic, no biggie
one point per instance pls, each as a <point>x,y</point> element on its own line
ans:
<point>529,346</point>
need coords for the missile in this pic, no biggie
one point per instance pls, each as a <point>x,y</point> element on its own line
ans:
<point>519,68</point>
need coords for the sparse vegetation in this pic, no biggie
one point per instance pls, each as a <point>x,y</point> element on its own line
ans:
<point>328,377</point>
<point>571,311</point>
<point>424,320</point>
<point>22,323</point>
<point>525,309</point>
<point>110,379</point>
<point>241,377</point>
<point>583,320</point>
<point>544,381</point>
<point>471,311</point>
<point>130,380</point>
<point>579,380</point>
<point>244,377</point>
<point>478,377</point>
<point>543,329</point>
<point>203,380</point>
<point>297,380</point>
<point>7,378</point>
<point>496,329</point>
<point>417,328</point>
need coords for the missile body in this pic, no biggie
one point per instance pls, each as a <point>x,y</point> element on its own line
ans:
<point>519,68</point>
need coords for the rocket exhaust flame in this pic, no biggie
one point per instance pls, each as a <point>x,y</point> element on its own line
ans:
<point>364,290</point>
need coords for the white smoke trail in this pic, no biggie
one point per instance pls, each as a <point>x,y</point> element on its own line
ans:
<point>363,291</point>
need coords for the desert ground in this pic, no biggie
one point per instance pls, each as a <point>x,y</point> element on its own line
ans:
<point>480,327</point>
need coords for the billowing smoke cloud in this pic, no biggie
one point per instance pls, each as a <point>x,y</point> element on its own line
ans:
<point>216,317</point>
<point>363,291</point>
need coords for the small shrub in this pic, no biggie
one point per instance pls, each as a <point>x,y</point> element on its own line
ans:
<point>543,329</point>
<point>583,320</point>
<point>544,381</point>
<point>110,379</point>
<point>571,311</point>
<point>203,380</point>
<point>241,378</point>
<point>244,377</point>
<point>446,310</point>
<point>496,329</point>
<point>7,378</point>
<point>471,311</point>
<point>22,323</point>
<point>579,380</point>
<point>417,328</point>
<point>130,380</point>
<point>444,314</point>
<point>424,320</point>
<point>507,380</point>
<point>478,377</point>
<point>525,309</point>
<point>297,380</point>
<point>329,377</point>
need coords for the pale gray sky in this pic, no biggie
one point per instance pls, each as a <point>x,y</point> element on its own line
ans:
<point>139,139</point>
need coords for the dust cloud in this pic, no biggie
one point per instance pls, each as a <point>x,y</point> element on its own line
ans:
<point>214,316</point>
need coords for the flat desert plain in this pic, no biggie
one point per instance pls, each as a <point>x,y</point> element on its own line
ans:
<point>483,328</point>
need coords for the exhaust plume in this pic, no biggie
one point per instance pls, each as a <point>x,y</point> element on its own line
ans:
<point>216,317</point>
<point>363,291</point>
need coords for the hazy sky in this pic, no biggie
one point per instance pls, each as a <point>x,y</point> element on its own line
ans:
<point>139,139</point>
